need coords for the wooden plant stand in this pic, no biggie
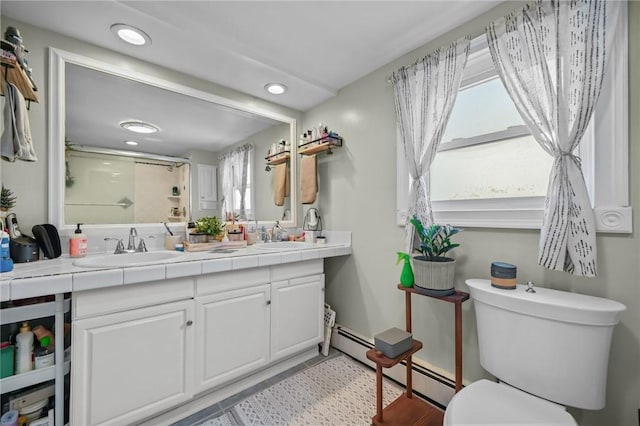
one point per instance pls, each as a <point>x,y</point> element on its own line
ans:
<point>407,410</point>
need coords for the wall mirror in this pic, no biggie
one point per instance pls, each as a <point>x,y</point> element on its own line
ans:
<point>98,179</point>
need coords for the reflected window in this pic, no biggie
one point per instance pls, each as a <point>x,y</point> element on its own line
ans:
<point>237,195</point>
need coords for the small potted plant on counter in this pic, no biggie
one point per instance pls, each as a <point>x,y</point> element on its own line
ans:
<point>433,271</point>
<point>7,202</point>
<point>210,226</point>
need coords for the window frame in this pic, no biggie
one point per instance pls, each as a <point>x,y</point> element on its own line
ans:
<point>606,168</point>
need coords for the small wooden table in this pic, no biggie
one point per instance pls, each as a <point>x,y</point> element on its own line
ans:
<point>407,410</point>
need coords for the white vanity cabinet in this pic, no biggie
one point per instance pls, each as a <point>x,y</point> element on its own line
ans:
<point>141,349</point>
<point>233,325</point>
<point>131,362</point>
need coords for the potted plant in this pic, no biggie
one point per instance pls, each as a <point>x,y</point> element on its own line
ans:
<point>210,226</point>
<point>433,270</point>
<point>7,202</point>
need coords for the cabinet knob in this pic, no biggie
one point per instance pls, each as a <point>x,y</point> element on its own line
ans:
<point>268,302</point>
<point>189,323</point>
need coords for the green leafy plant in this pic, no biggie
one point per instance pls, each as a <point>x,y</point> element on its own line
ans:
<point>7,199</point>
<point>435,240</point>
<point>209,225</point>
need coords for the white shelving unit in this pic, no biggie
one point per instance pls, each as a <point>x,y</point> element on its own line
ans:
<point>57,309</point>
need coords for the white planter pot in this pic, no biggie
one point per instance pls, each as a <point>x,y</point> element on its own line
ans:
<point>434,278</point>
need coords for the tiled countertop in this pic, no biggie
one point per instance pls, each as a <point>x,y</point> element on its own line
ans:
<point>61,275</point>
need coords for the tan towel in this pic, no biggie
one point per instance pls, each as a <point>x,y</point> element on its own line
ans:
<point>308,179</point>
<point>280,180</point>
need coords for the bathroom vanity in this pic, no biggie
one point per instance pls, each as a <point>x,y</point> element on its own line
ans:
<point>151,338</point>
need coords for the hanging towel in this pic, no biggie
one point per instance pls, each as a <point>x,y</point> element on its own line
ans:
<point>280,180</point>
<point>16,142</point>
<point>308,179</point>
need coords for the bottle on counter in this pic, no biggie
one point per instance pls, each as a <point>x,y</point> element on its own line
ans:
<point>78,243</point>
<point>43,354</point>
<point>6,264</point>
<point>24,349</point>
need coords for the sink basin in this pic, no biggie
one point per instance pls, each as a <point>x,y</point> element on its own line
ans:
<point>128,259</point>
<point>285,245</point>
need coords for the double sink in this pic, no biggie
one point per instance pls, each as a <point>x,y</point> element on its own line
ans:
<point>163,256</point>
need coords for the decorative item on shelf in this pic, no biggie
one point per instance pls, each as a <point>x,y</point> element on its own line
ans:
<point>210,226</point>
<point>175,191</point>
<point>406,276</point>
<point>278,153</point>
<point>319,139</point>
<point>433,271</point>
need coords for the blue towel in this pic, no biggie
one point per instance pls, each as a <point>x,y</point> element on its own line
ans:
<point>16,142</point>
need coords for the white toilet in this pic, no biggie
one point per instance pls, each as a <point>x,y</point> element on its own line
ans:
<point>549,349</point>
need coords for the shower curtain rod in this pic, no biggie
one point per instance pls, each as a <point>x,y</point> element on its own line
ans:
<point>133,154</point>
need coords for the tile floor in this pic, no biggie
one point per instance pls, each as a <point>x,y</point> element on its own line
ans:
<point>225,405</point>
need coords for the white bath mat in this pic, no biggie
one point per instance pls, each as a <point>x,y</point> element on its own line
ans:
<point>338,391</point>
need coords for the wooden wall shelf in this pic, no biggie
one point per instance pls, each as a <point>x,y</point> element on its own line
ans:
<point>407,410</point>
<point>320,145</point>
<point>279,158</point>
<point>12,72</point>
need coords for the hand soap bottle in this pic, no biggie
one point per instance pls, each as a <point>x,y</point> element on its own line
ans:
<point>78,243</point>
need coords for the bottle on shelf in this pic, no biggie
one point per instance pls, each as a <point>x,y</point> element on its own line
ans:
<point>43,354</point>
<point>24,349</point>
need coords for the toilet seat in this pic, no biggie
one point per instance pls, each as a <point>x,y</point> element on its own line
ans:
<point>489,403</point>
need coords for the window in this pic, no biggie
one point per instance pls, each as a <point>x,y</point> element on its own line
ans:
<point>480,177</point>
<point>237,177</point>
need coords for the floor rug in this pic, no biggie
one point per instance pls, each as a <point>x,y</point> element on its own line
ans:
<point>224,420</point>
<point>338,391</point>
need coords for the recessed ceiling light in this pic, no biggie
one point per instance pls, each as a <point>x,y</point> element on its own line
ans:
<point>275,88</point>
<point>132,143</point>
<point>139,127</point>
<point>131,35</point>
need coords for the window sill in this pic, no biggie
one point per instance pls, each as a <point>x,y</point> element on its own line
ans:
<point>524,213</point>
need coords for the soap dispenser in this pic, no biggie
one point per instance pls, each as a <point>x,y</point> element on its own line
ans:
<point>406,276</point>
<point>78,243</point>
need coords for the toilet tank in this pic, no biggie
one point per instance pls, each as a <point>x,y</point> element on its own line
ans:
<point>553,344</point>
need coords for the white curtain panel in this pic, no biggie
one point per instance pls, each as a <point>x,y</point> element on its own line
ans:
<point>234,166</point>
<point>551,59</point>
<point>424,96</point>
<point>226,183</point>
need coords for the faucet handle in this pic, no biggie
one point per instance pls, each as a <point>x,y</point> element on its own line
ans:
<point>119,247</point>
<point>142,246</point>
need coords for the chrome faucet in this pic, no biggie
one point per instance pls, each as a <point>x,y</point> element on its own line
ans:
<point>131,247</point>
<point>276,232</point>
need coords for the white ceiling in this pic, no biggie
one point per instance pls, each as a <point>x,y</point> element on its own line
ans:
<point>314,47</point>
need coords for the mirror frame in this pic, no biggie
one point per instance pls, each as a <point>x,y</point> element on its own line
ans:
<point>56,129</point>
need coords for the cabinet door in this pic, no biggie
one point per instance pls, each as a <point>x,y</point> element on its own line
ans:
<point>207,187</point>
<point>297,312</point>
<point>232,335</point>
<point>132,364</point>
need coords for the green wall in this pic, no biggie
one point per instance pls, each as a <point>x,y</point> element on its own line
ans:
<point>359,194</point>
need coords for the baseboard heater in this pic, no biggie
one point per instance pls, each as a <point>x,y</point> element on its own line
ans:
<point>428,384</point>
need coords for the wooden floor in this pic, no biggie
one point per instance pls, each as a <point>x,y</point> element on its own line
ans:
<point>410,411</point>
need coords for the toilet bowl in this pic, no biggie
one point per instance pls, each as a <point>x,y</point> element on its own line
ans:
<point>548,349</point>
<point>490,403</point>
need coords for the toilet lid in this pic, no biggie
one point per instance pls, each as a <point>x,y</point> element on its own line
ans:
<point>489,403</point>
